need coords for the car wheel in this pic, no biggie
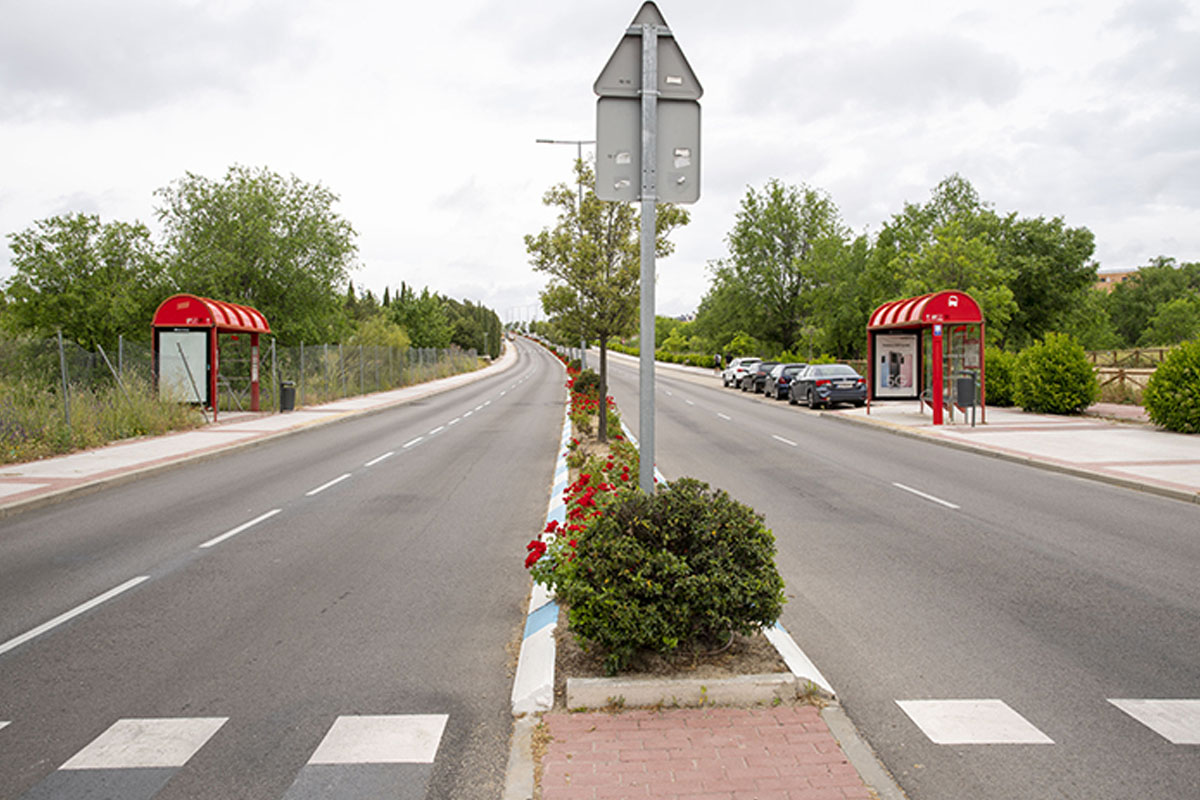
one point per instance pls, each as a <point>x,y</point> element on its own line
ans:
<point>859,403</point>
<point>812,401</point>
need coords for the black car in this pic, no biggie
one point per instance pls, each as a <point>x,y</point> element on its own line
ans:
<point>780,379</point>
<point>757,377</point>
<point>826,384</point>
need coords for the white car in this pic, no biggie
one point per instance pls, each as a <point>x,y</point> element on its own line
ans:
<point>737,369</point>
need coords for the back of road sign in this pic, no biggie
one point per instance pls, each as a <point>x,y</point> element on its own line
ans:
<point>619,150</point>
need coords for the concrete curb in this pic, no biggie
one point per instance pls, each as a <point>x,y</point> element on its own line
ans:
<point>1016,458</point>
<point>435,387</point>
<point>860,754</point>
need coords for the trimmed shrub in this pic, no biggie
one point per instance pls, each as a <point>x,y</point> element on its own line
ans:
<point>1054,376</point>
<point>1172,397</point>
<point>689,565</point>
<point>1000,366</point>
<point>587,382</point>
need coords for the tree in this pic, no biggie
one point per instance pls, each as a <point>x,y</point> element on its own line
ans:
<point>96,281</point>
<point>423,317</point>
<point>781,237</point>
<point>1135,301</point>
<point>270,242</point>
<point>593,258</point>
<point>1174,321</point>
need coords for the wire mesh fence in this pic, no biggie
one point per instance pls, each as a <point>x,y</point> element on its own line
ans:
<point>56,397</point>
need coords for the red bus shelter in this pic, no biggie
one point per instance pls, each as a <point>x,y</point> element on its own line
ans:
<point>949,325</point>
<point>187,351</point>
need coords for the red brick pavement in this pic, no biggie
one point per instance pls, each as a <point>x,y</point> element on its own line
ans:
<point>784,753</point>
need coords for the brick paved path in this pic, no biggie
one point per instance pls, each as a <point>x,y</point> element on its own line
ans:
<point>784,753</point>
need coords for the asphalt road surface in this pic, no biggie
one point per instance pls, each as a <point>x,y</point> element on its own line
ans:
<point>994,630</point>
<point>339,607</point>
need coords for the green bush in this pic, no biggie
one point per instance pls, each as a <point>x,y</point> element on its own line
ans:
<point>689,565</point>
<point>587,382</point>
<point>1172,396</point>
<point>1000,367</point>
<point>1054,376</point>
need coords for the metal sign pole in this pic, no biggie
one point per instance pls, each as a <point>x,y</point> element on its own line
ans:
<point>649,223</point>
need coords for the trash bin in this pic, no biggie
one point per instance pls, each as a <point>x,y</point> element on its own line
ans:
<point>287,395</point>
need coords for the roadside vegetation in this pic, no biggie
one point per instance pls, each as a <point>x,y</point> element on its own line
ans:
<point>252,237</point>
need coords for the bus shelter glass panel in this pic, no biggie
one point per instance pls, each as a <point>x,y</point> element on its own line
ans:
<point>896,365</point>
<point>181,353</point>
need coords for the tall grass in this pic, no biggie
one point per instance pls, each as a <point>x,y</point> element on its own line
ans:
<point>33,425</point>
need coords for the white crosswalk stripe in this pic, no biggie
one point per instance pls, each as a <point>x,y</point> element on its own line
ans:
<point>146,743</point>
<point>407,739</point>
<point>957,722</point>
<point>1177,721</point>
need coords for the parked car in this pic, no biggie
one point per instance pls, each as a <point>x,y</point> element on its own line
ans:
<point>737,369</point>
<point>755,379</point>
<point>780,379</point>
<point>826,384</point>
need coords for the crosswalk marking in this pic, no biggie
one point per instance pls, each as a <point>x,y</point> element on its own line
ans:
<point>1177,721</point>
<point>146,743</point>
<point>2,724</point>
<point>401,739</point>
<point>971,722</point>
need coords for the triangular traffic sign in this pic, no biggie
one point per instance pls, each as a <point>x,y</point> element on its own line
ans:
<point>622,75</point>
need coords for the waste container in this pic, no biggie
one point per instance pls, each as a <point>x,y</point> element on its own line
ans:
<point>287,395</point>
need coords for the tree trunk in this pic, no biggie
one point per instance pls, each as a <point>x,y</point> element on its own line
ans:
<point>602,430</point>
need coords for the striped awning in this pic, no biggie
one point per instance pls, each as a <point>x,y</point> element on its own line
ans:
<point>191,311</point>
<point>928,309</point>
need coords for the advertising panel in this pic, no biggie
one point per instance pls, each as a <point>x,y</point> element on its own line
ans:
<point>896,365</point>
<point>174,382</point>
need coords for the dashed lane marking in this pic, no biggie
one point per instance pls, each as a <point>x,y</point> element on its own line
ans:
<point>244,526</point>
<point>437,430</point>
<point>377,459</point>
<point>1177,721</point>
<point>930,497</point>
<point>724,416</point>
<point>785,441</point>
<point>326,485</point>
<point>414,441</point>
<point>959,722</point>
<point>70,615</point>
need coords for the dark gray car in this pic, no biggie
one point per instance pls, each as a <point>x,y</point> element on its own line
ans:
<point>826,384</point>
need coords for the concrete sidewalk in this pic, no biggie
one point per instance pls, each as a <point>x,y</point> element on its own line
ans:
<point>37,483</point>
<point>1111,443</point>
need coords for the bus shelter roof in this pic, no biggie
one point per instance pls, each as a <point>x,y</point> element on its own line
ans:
<point>192,311</point>
<point>928,309</point>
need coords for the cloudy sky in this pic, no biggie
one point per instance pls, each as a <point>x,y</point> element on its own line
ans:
<point>423,117</point>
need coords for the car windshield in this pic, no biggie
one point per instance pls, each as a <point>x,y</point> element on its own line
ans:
<point>793,369</point>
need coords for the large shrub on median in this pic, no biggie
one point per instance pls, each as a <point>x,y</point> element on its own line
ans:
<point>1054,376</point>
<point>1172,396</point>
<point>1000,366</point>
<point>688,566</point>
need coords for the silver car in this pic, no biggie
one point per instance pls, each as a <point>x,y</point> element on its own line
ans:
<point>737,369</point>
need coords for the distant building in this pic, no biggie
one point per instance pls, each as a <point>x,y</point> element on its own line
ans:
<point>1107,280</point>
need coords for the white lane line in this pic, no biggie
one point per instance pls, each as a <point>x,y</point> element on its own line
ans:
<point>689,402</point>
<point>926,496</point>
<point>488,403</point>
<point>454,421</point>
<point>669,394</point>
<point>469,413</point>
<point>724,416</point>
<point>146,743</point>
<point>504,393</point>
<point>3,723</point>
<point>70,615</point>
<point>240,528</point>
<point>375,461</point>
<point>414,441</point>
<point>438,429</point>
<point>479,407</point>
<point>325,486</point>
<point>785,441</point>
<point>401,739</point>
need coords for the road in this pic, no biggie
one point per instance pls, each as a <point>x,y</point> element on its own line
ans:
<point>337,607</point>
<point>928,576</point>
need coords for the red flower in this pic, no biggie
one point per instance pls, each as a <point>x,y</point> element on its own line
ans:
<point>551,526</point>
<point>536,549</point>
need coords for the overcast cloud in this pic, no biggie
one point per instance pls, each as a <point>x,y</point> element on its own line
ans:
<point>423,119</point>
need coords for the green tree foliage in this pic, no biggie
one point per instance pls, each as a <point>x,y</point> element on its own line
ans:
<point>1133,302</point>
<point>95,281</point>
<point>258,238</point>
<point>1172,396</point>
<point>593,259</point>
<point>1175,321</point>
<point>422,316</point>
<point>1001,367</point>
<point>380,331</point>
<point>1054,376</point>
<point>783,237</point>
<point>473,327</point>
